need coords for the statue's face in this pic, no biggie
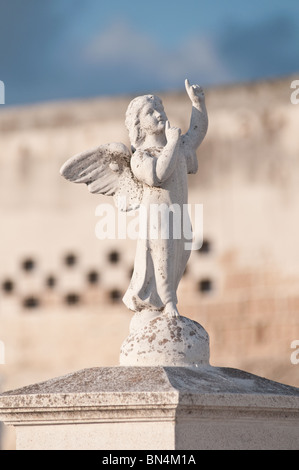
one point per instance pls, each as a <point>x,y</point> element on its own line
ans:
<point>153,118</point>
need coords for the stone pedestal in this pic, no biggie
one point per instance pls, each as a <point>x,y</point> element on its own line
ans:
<point>154,408</point>
<point>165,341</point>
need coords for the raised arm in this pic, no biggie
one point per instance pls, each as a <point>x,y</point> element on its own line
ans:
<point>199,117</point>
<point>198,125</point>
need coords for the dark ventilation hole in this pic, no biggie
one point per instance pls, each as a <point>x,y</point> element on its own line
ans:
<point>70,260</point>
<point>205,248</point>
<point>8,286</point>
<point>115,295</point>
<point>72,299</point>
<point>93,277</point>
<point>51,282</point>
<point>28,265</point>
<point>31,302</point>
<point>205,285</point>
<point>114,257</point>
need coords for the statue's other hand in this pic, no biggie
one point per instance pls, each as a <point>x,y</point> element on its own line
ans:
<point>172,133</point>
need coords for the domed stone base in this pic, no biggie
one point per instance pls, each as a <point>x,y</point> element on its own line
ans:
<point>166,341</point>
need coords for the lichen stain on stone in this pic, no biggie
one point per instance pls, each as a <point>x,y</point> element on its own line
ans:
<point>164,341</point>
<point>152,338</point>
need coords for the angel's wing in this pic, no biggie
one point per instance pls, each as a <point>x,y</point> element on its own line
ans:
<point>106,170</point>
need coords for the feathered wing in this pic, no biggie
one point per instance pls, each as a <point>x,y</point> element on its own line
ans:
<point>106,170</point>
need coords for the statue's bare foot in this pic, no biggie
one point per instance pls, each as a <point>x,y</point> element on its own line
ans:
<point>171,310</point>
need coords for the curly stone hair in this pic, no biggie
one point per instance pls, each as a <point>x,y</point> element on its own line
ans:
<point>136,133</point>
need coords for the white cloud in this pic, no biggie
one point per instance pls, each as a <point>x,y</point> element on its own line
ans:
<point>200,57</point>
<point>118,43</point>
<point>121,44</point>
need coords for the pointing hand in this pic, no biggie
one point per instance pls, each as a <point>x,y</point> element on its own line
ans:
<point>195,92</point>
<point>172,133</point>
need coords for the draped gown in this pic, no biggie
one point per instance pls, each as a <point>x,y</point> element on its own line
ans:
<point>160,260</point>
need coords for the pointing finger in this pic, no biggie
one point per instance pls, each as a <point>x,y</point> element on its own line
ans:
<point>187,84</point>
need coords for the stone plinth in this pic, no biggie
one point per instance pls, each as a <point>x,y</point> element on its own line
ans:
<point>154,408</point>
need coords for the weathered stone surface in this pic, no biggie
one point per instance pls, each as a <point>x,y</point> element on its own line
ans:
<point>154,408</point>
<point>166,341</point>
<point>124,386</point>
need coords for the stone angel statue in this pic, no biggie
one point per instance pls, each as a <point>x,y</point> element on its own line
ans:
<point>155,173</point>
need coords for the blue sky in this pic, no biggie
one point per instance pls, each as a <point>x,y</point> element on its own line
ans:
<point>64,49</point>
